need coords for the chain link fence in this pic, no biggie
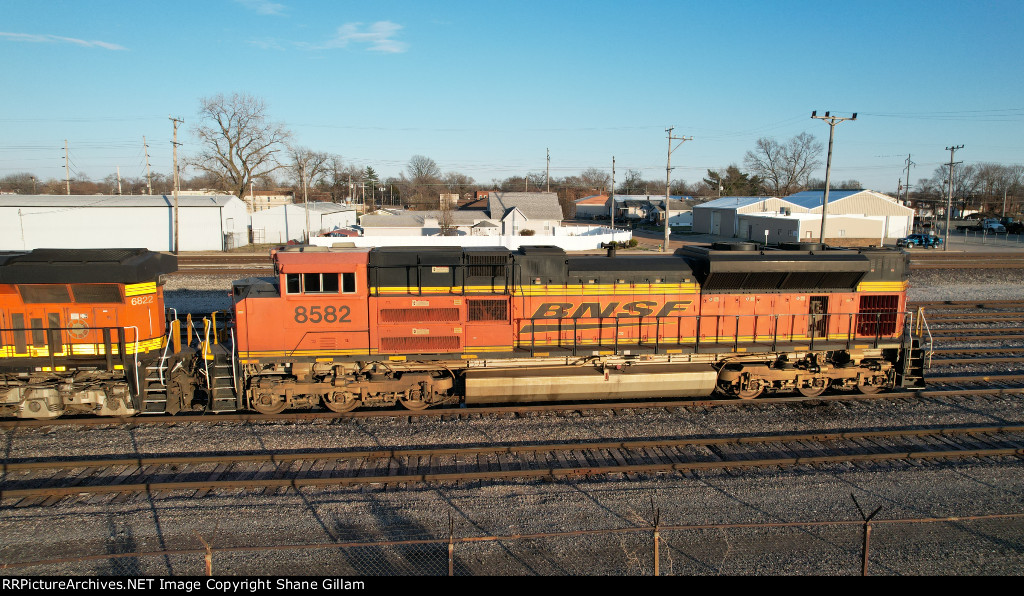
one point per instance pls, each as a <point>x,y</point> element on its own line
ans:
<point>978,545</point>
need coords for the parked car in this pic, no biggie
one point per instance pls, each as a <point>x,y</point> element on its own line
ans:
<point>920,240</point>
<point>343,233</point>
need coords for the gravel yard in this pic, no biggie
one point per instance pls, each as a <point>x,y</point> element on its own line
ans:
<point>801,495</point>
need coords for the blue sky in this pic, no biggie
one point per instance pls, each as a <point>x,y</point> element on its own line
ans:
<point>484,88</point>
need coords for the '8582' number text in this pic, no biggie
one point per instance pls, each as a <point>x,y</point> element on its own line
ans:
<point>322,314</point>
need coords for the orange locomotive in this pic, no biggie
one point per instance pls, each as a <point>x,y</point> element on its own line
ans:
<point>350,327</point>
<point>81,330</point>
<point>84,330</point>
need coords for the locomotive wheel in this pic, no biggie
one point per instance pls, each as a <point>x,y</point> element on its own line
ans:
<point>341,402</point>
<point>753,390</point>
<point>270,404</point>
<point>414,404</point>
<point>817,386</point>
<point>868,389</point>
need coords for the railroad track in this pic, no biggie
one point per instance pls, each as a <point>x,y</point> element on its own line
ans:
<point>238,264</point>
<point>34,483</point>
<point>963,260</point>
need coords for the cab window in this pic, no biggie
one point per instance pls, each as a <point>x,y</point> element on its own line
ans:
<point>320,283</point>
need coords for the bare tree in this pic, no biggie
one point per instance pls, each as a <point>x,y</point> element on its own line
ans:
<point>784,169</point>
<point>238,140</point>
<point>632,183</point>
<point>424,182</point>
<point>459,184</point>
<point>22,183</point>
<point>596,180</point>
<point>316,165</point>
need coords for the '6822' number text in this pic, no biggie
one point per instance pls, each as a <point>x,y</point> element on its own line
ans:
<point>322,314</point>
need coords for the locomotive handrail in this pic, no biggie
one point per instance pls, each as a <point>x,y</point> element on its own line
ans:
<point>859,327</point>
<point>163,357</point>
<point>206,344</point>
<point>135,370</point>
<point>234,371</point>
<point>923,323</point>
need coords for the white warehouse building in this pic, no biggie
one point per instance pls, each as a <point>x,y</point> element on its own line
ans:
<point>278,225</point>
<point>122,221</point>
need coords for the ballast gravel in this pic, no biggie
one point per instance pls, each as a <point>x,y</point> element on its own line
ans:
<point>798,520</point>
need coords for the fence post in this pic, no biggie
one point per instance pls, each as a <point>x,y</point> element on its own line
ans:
<point>657,539</point>
<point>451,546</point>
<point>867,534</point>
<point>208,557</point>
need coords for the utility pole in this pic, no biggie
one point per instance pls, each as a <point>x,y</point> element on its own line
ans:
<point>175,143</point>
<point>613,198</point>
<point>67,168</point>
<point>832,121</point>
<point>949,195</point>
<point>149,179</point>
<point>547,172</point>
<point>119,180</point>
<point>668,172</point>
<point>305,199</point>
<point>906,199</point>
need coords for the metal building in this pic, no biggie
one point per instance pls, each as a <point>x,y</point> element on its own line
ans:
<point>280,224</point>
<point>721,217</point>
<point>897,220</point>
<point>883,216</point>
<point>122,221</point>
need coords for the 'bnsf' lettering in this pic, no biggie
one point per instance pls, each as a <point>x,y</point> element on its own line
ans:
<point>594,310</point>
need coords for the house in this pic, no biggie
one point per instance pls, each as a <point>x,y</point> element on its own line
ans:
<point>448,201</point>
<point>649,208</point>
<point>507,214</point>
<point>594,207</point>
<point>421,223</point>
<point>520,211</point>
<point>261,200</point>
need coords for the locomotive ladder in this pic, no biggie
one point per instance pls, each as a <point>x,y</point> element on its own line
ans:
<point>918,357</point>
<point>220,370</point>
<point>154,395</point>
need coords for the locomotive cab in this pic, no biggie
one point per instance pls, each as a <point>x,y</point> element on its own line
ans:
<point>79,329</point>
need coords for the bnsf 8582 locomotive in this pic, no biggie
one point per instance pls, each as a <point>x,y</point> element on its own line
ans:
<point>351,327</point>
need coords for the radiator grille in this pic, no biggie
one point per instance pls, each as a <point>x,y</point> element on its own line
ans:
<point>418,315</point>
<point>877,315</point>
<point>421,345</point>
<point>488,310</point>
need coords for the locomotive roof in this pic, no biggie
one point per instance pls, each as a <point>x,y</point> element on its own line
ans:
<point>309,259</point>
<point>746,267</point>
<point>93,265</point>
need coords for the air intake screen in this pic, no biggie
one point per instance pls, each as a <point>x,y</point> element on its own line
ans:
<point>420,345</point>
<point>877,315</point>
<point>418,315</point>
<point>488,310</point>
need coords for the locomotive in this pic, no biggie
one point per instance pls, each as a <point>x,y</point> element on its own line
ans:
<point>347,327</point>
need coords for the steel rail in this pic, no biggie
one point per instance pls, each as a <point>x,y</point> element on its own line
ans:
<point>667,455</point>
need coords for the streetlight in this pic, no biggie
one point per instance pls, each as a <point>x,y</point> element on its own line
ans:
<point>832,121</point>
